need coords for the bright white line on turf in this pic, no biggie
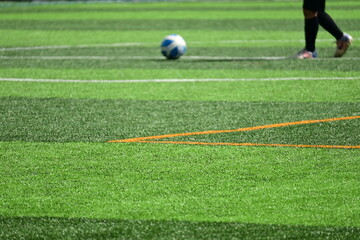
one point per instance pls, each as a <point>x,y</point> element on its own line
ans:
<point>64,57</point>
<point>71,46</point>
<point>177,80</point>
<point>137,58</point>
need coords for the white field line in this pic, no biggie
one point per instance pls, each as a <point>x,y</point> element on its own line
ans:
<point>260,58</point>
<point>68,57</point>
<point>178,80</point>
<point>72,46</point>
<point>153,44</point>
<point>266,41</point>
<point>209,58</point>
<point>137,58</point>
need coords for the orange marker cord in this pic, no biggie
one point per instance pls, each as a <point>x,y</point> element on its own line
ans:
<point>143,139</point>
<point>256,144</point>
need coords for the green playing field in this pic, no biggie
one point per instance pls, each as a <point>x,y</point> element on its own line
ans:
<point>257,145</point>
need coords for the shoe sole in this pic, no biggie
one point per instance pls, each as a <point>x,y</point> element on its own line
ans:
<point>341,52</point>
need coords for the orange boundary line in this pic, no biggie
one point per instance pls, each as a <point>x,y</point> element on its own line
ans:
<point>145,139</point>
<point>256,144</point>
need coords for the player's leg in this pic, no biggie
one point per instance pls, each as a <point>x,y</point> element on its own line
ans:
<point>311,27</point>
<point>329,25</point>
<point>343,39</point>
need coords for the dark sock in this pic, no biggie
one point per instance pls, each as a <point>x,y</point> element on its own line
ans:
<point>311,30</point>
<point>329,25</point>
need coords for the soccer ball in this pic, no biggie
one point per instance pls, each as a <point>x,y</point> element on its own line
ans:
<point>173,46</point>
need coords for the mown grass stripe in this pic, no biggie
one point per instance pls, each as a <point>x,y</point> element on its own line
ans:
<point>165,15</point>
<point>88,228</point>
<point>177,182</point>
<point>147,58</point>
<point>150,4</point>
<point>209,58</point>
<point>255,144</point>
<point>277,125</point>
<point>19,38</point>
<point>170,73</point>
<point>170,25</point>
<point>157,9</point>
<point>333,91</point>
<point>74,119</point>
<point>129,44</point>
<point>178,80</point>
<point>183,64</point>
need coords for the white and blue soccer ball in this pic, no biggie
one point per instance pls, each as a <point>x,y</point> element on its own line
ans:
<point>173,46</point>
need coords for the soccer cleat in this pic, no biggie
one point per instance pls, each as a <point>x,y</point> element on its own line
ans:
<point>305,54</point>
<point>342,45</point>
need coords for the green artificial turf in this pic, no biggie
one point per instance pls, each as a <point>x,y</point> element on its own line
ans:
<point>61,179</point>
<point>68,120</point>
<point>153,38</point>
<point>339,133</point>
<point>153,24</point>
<point>157,182</point>
<point>289,91</point>
<point>164,15</point>
<point>85,228</point>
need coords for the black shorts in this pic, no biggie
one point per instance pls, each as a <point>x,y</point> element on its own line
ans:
<point>314,5</point>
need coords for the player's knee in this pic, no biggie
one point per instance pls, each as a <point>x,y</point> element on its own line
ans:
<point>309,13</point>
